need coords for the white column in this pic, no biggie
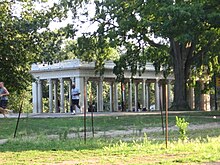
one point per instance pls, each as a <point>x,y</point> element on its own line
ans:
<point>85,106</point>
<point>136,96</point>
<point>169,93</point>
<point>39,100</point>
<point>147,96</point>
<point>144,93</point>
<point>97,96</point>
<point>130,95</point>
<point>111,96</point>
<point>79,82</point>
<point>161,98</point>
<point>85,83</point>
<point>70,94</point>
<point>55,97</point>
<point>192,97</point>
<point>100,95</point>
<point>62,106</point>
<point>50,95</point>
<point>115,96</point>
<point>157,95</point>
<point>123,96</point>
<point>34,97</point>
<point>72,80</point>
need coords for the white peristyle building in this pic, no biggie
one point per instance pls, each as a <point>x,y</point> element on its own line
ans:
<point>80,73</point>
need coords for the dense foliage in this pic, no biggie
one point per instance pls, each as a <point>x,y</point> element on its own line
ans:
<point>25,38</point>
<point>178,35</point>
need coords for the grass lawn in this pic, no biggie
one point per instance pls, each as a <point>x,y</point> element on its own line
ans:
<point>33,147</point>
<point>42,151</point>
<point>31,126</point>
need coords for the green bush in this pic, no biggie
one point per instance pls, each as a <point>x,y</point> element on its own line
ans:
<point>182,125</point>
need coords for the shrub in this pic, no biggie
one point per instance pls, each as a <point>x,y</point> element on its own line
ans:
<point>182,125</point>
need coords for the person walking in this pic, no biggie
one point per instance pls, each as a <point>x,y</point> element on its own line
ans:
<point>3,96</point>
<point>75,99</point>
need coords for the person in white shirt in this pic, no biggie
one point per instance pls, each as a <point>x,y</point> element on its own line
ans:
<point>75,98</point>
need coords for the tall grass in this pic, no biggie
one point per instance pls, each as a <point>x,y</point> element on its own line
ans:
<point>100,151</point>
<point>30,126</point>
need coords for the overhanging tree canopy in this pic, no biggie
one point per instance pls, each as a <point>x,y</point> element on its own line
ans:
<point>176,33</point>
<point>25,38</point>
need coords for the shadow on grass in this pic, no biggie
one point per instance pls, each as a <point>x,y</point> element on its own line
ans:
<point>54,126</point>
<point>43,144</point>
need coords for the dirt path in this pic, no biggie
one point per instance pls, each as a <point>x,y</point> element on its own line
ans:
<point>96,114</point>
<point>3,141</point>
<point>126,133</point>
<point>130,132</point>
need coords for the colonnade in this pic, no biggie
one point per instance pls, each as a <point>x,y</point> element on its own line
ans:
<point>57,101</point>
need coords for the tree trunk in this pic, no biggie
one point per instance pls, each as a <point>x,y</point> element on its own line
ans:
<point>179,55</point>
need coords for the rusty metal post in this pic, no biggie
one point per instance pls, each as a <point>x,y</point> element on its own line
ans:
<point>92,110</point>
<point>161,109</point>
<point>85,103</point>
<point>92,118</point>
<point>19,116</point>
<point>166,108</point>
<point>216,98</point>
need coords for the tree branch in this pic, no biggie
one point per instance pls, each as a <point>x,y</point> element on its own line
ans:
<point>201,52</point>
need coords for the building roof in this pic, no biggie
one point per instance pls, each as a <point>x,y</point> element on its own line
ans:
<point>78,68</point>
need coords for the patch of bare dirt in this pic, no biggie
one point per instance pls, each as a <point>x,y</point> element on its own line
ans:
<point>3,141</point>
<point>119,133</point>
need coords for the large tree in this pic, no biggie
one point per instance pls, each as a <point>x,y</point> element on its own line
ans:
<point>175,33</point>
<point>25,37</point>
